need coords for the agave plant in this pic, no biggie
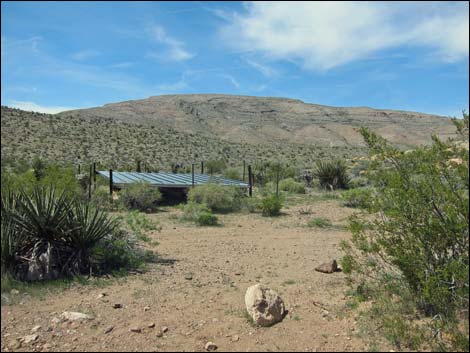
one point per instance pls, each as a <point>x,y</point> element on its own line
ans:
<point>332,174</point>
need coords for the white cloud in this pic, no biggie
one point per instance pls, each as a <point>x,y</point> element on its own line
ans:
<point>85,54</point>
<point>322,35</point>
<point>30,106</point>
<point>175,49</point>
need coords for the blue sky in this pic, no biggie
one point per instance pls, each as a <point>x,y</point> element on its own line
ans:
<point>407,56</point>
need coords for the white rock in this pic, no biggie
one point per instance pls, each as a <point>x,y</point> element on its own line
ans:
<point>29,338</point>
<point>36,328</point>
<point>264,305</point>
<point>75,316</point>
<point>210,346</point>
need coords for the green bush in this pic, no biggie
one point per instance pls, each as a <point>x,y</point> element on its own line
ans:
<point>139,225</point>
<point>292,186</point>
<point>271,205</point>
<point>46,235</point>
<point>319,223</point>
<point>417,236</point>
<point>332,174</point>
<point>101,198</point>
<point>232,173</point>
<point>356,198</point>
<point>140,196</point>
<point>199,213</point>
<point>217,197</point>
<point>207,219</point>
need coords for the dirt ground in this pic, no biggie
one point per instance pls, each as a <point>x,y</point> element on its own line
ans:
<point>197,291</point>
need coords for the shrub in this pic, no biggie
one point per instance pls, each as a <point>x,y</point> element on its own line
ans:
<point>290,185</point>
<point>46,235</point>
<point>356,198</point>
<point>271,205</point>
<point>214,166</point>
<point>199,213</point>
<point>332,174</point>
<point>232,173</point>
<point>207,219</point>
<point>217,197</point>
<point>140,196</point>
<point>101,198</point>
<point>140,225</point>
<point>320,223</point>
<point>417,238</point>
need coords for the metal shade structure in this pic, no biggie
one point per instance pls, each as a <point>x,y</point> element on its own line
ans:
<point>169,180</point>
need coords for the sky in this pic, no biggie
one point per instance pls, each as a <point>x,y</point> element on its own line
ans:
<point>392,55</point>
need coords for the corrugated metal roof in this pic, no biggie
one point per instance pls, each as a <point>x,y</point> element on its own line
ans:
<point>169,179</point>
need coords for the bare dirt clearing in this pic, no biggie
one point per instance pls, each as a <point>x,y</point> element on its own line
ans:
<point>197,292</point>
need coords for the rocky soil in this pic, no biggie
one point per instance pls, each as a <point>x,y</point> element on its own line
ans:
<point>193,299</point>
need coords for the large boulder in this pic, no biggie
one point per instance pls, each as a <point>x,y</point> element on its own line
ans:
<point>264,305</point>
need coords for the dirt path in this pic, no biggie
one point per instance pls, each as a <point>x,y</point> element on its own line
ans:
<point>222,263</point>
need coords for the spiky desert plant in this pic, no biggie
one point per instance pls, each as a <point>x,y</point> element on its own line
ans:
<point>332,174</point>
<point>86,227</point>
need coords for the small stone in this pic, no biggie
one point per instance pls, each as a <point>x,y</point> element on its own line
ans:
<point>109,329</point>
<point>117,306</point>
<point>235,338</point>
<point>159,334</point>
<point>151,325</point>
<point>324,313</point>
<point>135,329</point>
<point>164,329</point>
<point>237,274</point>
<point>30,338</point>
<point>188,276</point>
<point>147,308</point>
<point>75,316</point>
<point>36,328</point>
<point>15,344</point>
<point>101,295</point>
<point>210,346</point>
<point>14,292</point>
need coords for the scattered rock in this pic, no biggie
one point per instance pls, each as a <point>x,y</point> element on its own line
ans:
<point>109,329</point>
<point>159,334</point>
<point>117,306</point>
<point>147,308</point>
<point>324,313</point>
<point>15,344</point>
<point>328,267</point>
<point>188,276</point>
<point>101,295</point>
<point>14,292</point>
<point>151,325</point>
<point>164,329</point>
<point>36,328</point>
<point>75,316</point>
<point>135,329</point>
<point>235,338</point>
<point>29,338</point>
<point>264,305</point>
<point>210,346</point>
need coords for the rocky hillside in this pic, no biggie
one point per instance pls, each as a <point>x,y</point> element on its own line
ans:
<point>191,128</point>
<point>265,120</point>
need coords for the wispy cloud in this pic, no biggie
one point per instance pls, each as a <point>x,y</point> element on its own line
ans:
<point>31,106</point>
<point>85,54</point>
<point>323,35</point>
<point>231,79</point>
<point>123,65</point>
<point>264,69</point>
<point>174,51</point>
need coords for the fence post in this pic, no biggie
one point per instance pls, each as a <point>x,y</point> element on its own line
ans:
<point>202,167</point>
<point>192,174</point>
<point>250,183</point>
<point>244,170</point>
<point>94,176</point>
<point>138,167</point>
<point>78,168</point>
<point>111,184</point>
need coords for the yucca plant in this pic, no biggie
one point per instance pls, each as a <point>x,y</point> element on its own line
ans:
<point>332,174</point>
<point>87,226</point>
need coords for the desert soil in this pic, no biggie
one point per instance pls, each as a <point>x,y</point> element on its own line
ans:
<point>197,291</point>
